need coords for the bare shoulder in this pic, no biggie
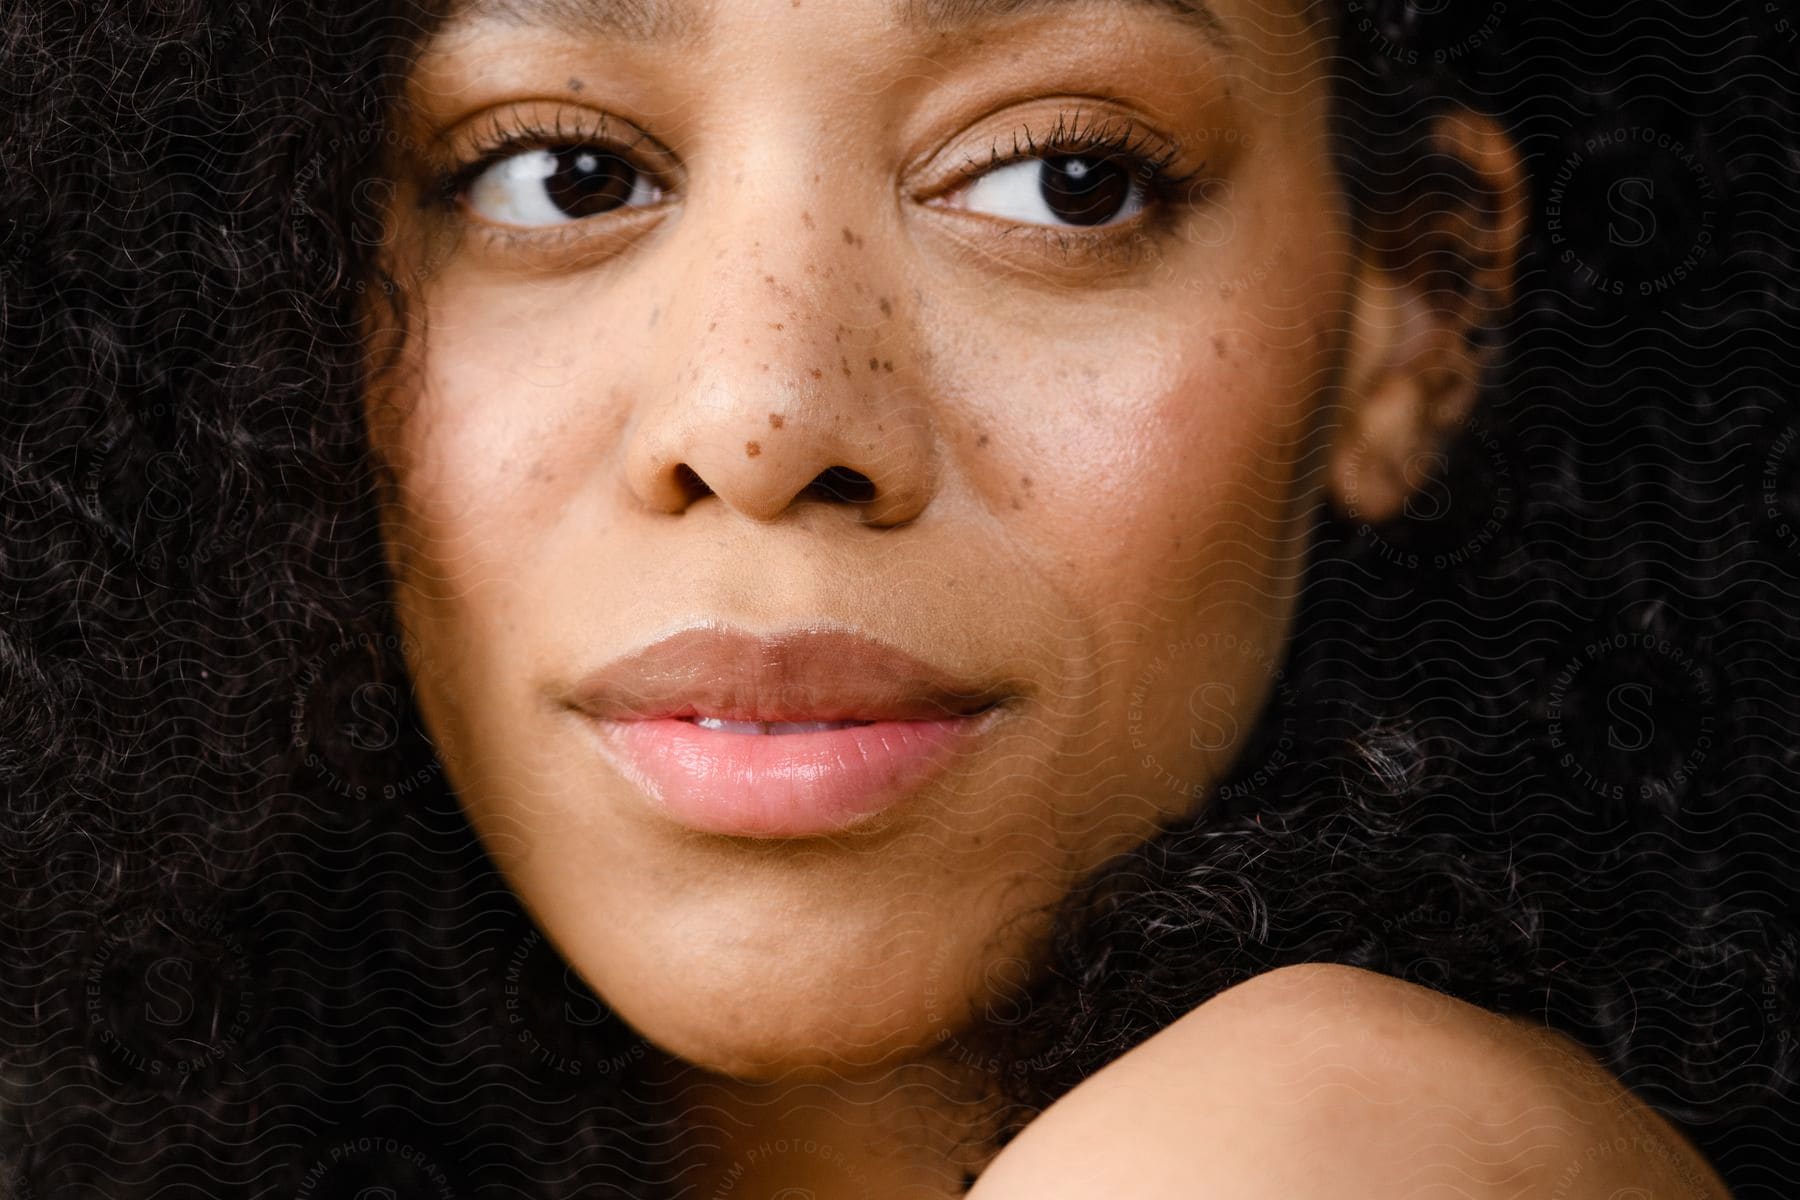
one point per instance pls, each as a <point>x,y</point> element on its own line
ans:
<point>1320,1080</point>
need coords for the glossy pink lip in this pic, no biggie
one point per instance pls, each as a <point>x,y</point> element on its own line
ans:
<point>915,720</point>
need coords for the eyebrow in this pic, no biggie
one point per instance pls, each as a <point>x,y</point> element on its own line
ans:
<point>949,16</point>
<point>686,20</point>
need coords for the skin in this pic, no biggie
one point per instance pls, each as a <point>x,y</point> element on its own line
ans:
<point>1327,1081</point>
<point>1093,474</point>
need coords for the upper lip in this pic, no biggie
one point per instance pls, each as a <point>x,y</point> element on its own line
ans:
<point>814,674</point>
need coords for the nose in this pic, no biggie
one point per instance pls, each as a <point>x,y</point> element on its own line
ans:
<point>783,378</point>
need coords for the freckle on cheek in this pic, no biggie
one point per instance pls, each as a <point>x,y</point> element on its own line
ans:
<point>887,307</point>
<point>776,421</point>
<point>752,449</point>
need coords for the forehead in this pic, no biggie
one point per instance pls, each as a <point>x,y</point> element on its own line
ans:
<point>692,20</point>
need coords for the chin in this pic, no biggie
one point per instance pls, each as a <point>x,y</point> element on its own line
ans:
<point>769,1000</point>
<point>768,1035</point>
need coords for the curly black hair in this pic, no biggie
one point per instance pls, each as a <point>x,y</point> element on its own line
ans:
<point>1532,746</point>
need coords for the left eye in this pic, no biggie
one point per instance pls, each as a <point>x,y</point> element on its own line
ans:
<point>1072,189</point>
<point>556,185</point>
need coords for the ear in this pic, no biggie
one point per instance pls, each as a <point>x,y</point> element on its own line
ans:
<point>1436,275</point>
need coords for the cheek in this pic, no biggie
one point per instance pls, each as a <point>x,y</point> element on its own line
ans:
<point>1156,438</point>
<point>477,431</point>
<point>1167,459</point>
<point>506,415</point>
<point>1164,512</point>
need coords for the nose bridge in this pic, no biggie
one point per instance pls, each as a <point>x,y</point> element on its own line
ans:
<point>782,378</point>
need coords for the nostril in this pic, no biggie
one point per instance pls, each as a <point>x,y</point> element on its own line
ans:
<point>842,485</point>
<point>688,480</point>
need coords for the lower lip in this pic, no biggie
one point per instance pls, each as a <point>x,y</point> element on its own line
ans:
<point>785,785</point>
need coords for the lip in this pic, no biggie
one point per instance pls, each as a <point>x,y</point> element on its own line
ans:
<point>914,720</point>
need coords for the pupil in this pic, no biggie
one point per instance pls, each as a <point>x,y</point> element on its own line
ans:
<point>587,182</point>
<point>1082,191</point>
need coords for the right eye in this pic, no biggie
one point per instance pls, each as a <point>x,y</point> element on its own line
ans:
<point>555,185</point>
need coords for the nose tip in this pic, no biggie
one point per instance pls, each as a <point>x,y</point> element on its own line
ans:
<point>833,485</point>
<point>764,477</point>
<point>761,401</point>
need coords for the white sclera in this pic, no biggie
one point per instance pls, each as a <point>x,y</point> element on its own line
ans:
<point>1014,192</point>
<point>513,192</point>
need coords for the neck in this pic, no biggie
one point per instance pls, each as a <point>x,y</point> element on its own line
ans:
<point>917,1130</point>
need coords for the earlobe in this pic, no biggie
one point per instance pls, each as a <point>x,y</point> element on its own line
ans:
<point>1436,274</point>
<point>1404,388</point>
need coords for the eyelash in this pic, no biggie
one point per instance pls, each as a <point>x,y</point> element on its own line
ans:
<point>1072,137</point>
<point>507,134</point>
<point>1147,160</point>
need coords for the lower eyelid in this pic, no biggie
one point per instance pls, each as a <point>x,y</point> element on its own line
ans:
<point>1119,244</point>
<point>1071,253</point>
<point>555,245</point>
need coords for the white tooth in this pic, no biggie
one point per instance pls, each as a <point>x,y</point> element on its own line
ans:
<point>724,726</point>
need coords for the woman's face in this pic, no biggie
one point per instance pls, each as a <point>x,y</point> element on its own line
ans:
<point>775,318</point>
